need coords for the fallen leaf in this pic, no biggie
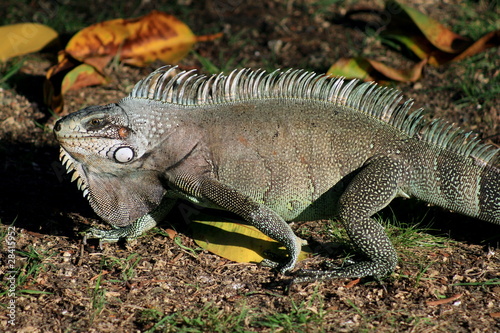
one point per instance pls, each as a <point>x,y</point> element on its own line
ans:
<point>353,283</point>
<point>139,41</point>
<point>52,86</point>
<point>236,241</point>
<point>410,75</point>
<point>434,32</point>
<point>444,301</point>
<point>171,233</point>
<point>23,38</point>
<point>372,70</point>
<point>352,68</point>
<point>489,40</point>
<point>68,74</point>
<point>81,76</point>
<point>415,43</point>
<point>429,39</point>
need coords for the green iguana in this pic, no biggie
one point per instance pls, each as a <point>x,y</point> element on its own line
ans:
<point>274,147</point>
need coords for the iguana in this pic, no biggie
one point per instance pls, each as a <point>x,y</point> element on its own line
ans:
<point>273,148</point>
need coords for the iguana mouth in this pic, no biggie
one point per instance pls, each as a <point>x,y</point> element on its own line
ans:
<point>71,166</point>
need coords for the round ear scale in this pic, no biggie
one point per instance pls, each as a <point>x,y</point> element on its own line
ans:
<point>124,154</point>
<point>123,132</point>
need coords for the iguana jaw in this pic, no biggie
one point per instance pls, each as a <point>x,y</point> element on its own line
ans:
<point>72,165</point>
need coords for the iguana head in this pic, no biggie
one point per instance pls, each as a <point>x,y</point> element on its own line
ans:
<point>104,152</point>
<point>98,136</point>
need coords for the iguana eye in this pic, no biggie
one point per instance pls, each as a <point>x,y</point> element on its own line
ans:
<point>95,124</point>
<point>124,154</point>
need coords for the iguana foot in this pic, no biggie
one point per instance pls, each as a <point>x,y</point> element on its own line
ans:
<point>269,263</point>
<point>110,236</point>
<point>281,263</point>
<point>311,275</point>
<point>130,232</point>
<point>376,269</point>
<point>282,267</point>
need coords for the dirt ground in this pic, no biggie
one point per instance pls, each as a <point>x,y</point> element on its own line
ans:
<point>129,287</point>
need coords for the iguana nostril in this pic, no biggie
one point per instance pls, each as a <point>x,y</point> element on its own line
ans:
<point>57,127</point>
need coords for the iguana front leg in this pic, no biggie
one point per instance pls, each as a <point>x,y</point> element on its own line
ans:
<point>371,190</point>
<point>136,228</point>
<point>258,215</point>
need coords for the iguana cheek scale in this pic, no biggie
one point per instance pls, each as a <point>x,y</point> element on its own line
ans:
<point>274,148</point>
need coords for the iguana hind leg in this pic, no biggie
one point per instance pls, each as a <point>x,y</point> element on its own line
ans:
<point>371,190</point>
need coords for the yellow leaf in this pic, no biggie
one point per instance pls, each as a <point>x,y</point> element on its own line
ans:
<point>236,241</point>
<point>351,68</point>
<point>81,76</point>
<point>23,38</point>
<point>372,70</point>
<point>156,36</point>
<point>139,41</point>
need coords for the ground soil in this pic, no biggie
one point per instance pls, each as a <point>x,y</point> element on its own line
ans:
<point>49,213</point>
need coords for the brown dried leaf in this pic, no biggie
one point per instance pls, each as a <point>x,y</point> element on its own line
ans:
<point>435,33</point>
<point>139,41</point>
<point>445,300</point>
<point>156,36</point>
<point>425,37</point>
<point>431,40</point>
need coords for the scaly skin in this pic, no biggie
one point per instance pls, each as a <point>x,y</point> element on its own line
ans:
<point>274,148</point>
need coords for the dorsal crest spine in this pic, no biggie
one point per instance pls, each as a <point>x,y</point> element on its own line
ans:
<point>188,88</point>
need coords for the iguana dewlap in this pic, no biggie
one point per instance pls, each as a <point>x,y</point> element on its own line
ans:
<point>273,148</point>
